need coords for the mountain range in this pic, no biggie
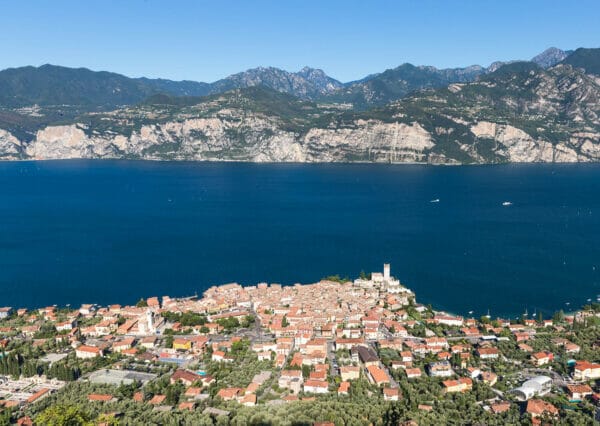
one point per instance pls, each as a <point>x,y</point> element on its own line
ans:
<point>545,109</point>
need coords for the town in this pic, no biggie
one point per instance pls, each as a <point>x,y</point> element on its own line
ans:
<point>337,352</point>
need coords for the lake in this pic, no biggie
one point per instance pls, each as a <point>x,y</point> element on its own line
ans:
<point>105,232</point>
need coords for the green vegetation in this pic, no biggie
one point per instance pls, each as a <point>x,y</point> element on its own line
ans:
<point>186,319</point>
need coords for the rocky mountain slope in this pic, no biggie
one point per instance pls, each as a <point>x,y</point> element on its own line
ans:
<point>78,90</point>
<point>519,113</point>
<point>86,90</point>
<point>81,87</point>
<point>308,83</point>
<point>394,84</point>
<point>550,57</point>
<point>586,59</point>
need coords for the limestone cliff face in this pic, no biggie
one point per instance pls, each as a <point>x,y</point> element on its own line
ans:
<point>518,147</point>
<point>254,139</point>
<point>369,141</point>
<point>9,146</point>
<point>259,139</point>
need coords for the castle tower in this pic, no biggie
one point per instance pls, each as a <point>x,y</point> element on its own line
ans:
<point>150,321</point>
<point>386,271</point>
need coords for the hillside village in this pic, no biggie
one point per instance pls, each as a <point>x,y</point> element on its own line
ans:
<point>302,354</point>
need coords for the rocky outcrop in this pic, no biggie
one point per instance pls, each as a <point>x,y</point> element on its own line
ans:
<point>218,139</point>
<point>9,146</point>
<point>519,147</point>
<point>259,139</point>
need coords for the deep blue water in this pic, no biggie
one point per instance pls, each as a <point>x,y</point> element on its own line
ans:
<point>115,231</point>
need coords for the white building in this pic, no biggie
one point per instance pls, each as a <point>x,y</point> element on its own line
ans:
<point>5,312</point>
<point>537,386</point>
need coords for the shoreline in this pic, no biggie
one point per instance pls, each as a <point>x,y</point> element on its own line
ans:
<point>345,163</point>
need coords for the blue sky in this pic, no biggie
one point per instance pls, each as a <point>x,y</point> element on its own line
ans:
<point>205,41</point>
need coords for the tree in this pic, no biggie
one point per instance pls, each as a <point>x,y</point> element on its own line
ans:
<point>141,303</point>
<point>558,316</point>
<point>62,415</point>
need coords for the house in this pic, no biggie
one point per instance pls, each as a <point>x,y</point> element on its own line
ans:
<point>291,379</point>
<point>190,405</point>
<point>377,375</point>
<point>316,386</point>
<point>207,380</point>
<point>349,343</point>
<point>24,421</point>
<point>344,388</point>
<point>489,378</point>
<point>487,353</point>
<point>192,392</point>
<point>318,375</point>
<point>391,394</point>
<point>436,343</point>
<point>123,344</point>
<point>413,373</point>
<point>474,372</point>
<point>541,358</point>
<point>448,320</point>
<point>440,369</point>
<point>85,351</point>
<point>87,309</point>
<point>182,344</point>
<point>5,312</point>
<point>42,393</point>
<point>221,357</point>
<point>349,372</point>
<point>100,397</point>
<point>525,347</point>
<point>157,399</point>
<point>248,400</point>
<point>444,355</point>
<point>586,371</point>
<point>500,407</point>
<point>184,376</point>
<point>578,392</point>
<point>540,408</point>
<point>396,365</point>
<point>66,325</point>
<point>366,355</point>
<point>463,384</point>
<point>572,348</point>
<point>230,394</point>
<point>152,302</point>
<point>148,342</point>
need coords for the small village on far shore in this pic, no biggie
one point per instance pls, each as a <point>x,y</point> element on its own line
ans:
<point>337,352</point>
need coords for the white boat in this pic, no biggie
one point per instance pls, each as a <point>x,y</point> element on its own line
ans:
<point>507,203</point>
<point>435,200</point>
